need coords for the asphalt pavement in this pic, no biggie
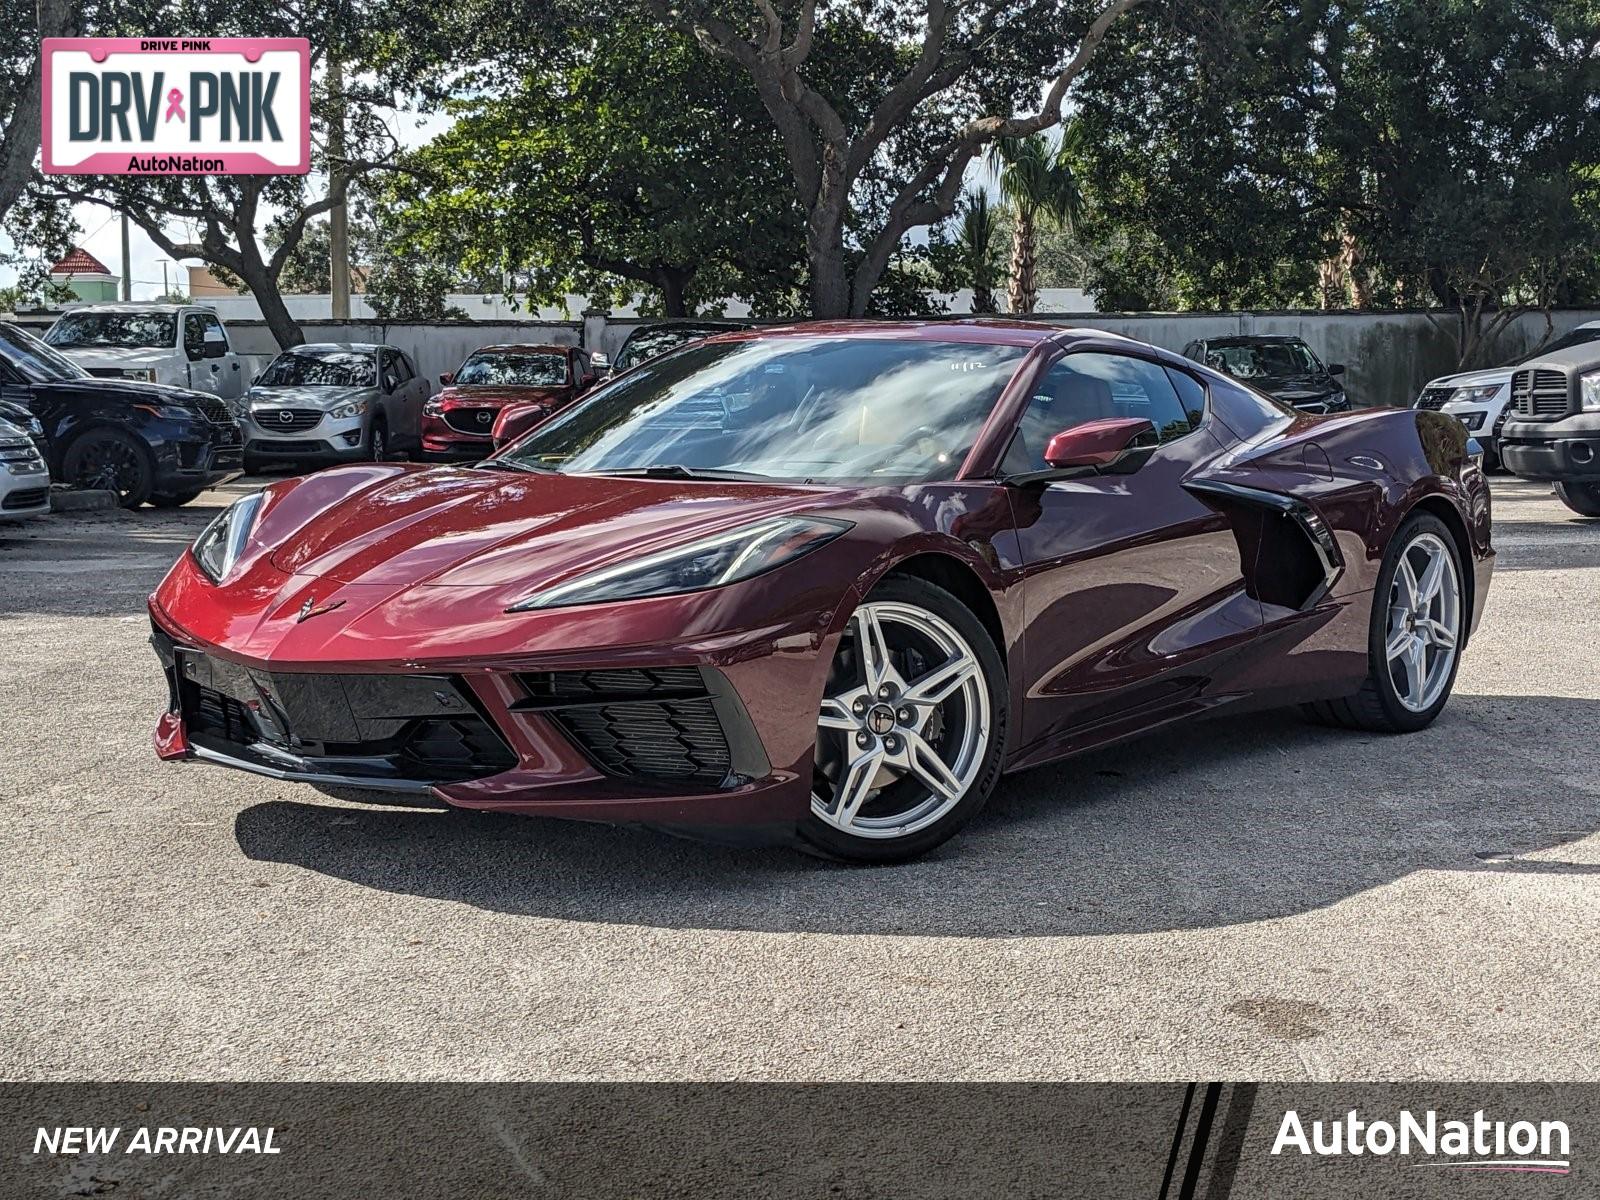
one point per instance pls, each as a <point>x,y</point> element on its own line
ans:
<point>1253,898</point>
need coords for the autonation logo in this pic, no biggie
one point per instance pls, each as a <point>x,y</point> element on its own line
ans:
<point>1479,1144</point>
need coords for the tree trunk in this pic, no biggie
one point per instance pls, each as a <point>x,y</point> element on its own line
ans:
<point>21,140</point>
<point>674,283</point>
<point>285,329</point>
<point>982,297</point>
<point>830,283</point>
<point>1024,291</point>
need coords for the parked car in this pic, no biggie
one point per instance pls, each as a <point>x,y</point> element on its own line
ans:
<point>1480,399</point>
<point>915,556</point>
<point>1285,368</point>
<point>334,402</point>
<point>1553,431</point>
<point>459,422</point>
<point>645,342</point>
<point>178,344</point>
<point>144,441</point>
<point>24,474</point>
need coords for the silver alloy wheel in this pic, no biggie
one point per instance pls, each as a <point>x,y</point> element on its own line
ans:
<point>907,750</point>
<point>1424,624</point>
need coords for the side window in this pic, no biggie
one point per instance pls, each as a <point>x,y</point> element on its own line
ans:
<point>214,326</point>
<point>387,373</point>
<point>1192,351</point>
<point>1093,387</point>
<point>402,368</point>
<point>194,335</point>
<point>1191,394</point>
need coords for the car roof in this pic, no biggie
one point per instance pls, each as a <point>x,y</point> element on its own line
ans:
<point>134,306</point>
<point>1573,356</point>
<point>976,330</point>
<point>1252,339</point>
<point>356,347</point>
<point>522,348</point>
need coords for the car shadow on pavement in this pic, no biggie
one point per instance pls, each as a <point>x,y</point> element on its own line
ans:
<point>1244,819</point>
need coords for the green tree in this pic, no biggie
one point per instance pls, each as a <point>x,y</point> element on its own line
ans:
<point>977,243</point>
<point>21,73</point>
<point>615,164</point>
<point>875,96</point>
<point>1038,183</point>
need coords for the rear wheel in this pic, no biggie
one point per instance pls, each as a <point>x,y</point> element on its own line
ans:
<point>1419,620</point>
<point>1581,498</point>
<point>113,461</point>
<point>378,441</point>
<point>911,727</point>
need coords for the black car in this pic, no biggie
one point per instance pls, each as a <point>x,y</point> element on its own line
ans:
<point>1283,367</point>
<point>1552,428</point>
<point>144,441</point>
<point>645,342</point>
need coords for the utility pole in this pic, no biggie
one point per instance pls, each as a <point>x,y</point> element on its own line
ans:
<point>338,216</point>
<point>127,269</point>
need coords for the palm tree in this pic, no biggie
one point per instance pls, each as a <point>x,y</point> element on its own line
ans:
<point>1037,181</point>
<point>978,228</point>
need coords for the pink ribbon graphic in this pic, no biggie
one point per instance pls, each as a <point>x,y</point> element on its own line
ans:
<point>175,105</point>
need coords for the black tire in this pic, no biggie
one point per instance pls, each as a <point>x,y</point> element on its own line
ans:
<point>110,460</point>
<point>819,837</point>
<point>173,499</point>
<point>1581,498</point>
<point>378,441</point>
<point>1377,707</point>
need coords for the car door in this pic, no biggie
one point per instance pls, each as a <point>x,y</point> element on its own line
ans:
<point>1133,584</point>
<point>226,368</point>
<point>415,390</point>
<point>193,340</point>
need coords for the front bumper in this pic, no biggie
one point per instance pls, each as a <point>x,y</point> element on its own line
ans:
<point>1568,449</point>
<point>24,489</point>
<point>328,441</point>
<point>197,455</point>
<point>441,441</point>
<point>661,737</point>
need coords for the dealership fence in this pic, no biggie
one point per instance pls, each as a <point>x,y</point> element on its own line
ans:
<point>1389,355</point>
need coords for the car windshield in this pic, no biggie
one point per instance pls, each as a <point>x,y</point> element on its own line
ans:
<point>1263,360</point>
<point>127,330</point>
<point>837,409</point>
<point>1578,337</point>
<point>321,368</point>
<point>528,370</point>
<point>645,344</point>
<point>37,362</point>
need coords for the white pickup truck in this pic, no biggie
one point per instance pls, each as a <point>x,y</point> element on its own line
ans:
<point>179,344</point>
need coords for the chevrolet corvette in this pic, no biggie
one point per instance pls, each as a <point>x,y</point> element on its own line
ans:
<point>827,583</point>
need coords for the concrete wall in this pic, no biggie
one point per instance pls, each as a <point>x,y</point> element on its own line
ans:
<point>1389,355</point>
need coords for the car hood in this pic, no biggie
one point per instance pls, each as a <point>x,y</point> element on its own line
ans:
<point>117,356</point>
<point>403,526</point>
<point>1297,387</point>
<point>130,390</point>
<point>308,397</point>
<point>500,394</point>
<point>1497,376</point>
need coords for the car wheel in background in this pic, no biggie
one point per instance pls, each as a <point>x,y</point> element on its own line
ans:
<point>173,499</point>
<point>1419,619</point>
<point>378,441</point>
<point>911,726</point>
<point>1581,498</point>
<point>112,461</point>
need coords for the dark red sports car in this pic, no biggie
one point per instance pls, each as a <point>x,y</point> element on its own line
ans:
<point>459,422</point>
<point>830,581</point>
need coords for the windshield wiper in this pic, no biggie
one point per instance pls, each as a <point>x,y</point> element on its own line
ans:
<point>511,464</point>
<point>679,471</point>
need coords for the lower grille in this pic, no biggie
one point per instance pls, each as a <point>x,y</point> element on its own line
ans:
<point>478,421</point>
<point>648,723</point>
<point>29,498</point>
<point>286,445</point>
<point>1540,393</point>
<point>679,740</point>
<point>1433,399</point>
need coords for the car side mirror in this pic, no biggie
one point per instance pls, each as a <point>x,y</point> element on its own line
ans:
<point>446,378</point>
<point>1335,368</point>
<point>1114,445</point>
<point>599,362</point>
<point>215,348</point>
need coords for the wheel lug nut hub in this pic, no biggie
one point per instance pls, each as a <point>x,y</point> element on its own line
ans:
<point>863,739</point>
<point>905,716</point>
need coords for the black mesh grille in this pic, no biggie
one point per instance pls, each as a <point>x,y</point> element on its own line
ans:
<point>460,748</point>
<point>1434,398</point>
<point>670,739</point>
<point>478,421</point>
<point>212,410</point>
<point>29,498</point>
<point>657,723</point>
<point>287,420</point>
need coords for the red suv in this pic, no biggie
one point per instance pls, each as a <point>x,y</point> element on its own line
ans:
<point>459,421</point>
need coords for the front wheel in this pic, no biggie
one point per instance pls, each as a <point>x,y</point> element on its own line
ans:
<point>378,442</point>
<point>1419,620</point>
<point>911,726</point>
<point>1581,498</point>
<point>113,461</point>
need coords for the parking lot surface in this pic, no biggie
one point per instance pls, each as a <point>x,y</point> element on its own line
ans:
<point>1253,898</point>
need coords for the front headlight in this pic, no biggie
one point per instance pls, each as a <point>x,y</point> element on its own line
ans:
<point>713,561</point>
<point>1480,394</point>
<point>345,411</point>
<point>433,408</point>
<point>1589,392</point>
<point>220,543</point>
